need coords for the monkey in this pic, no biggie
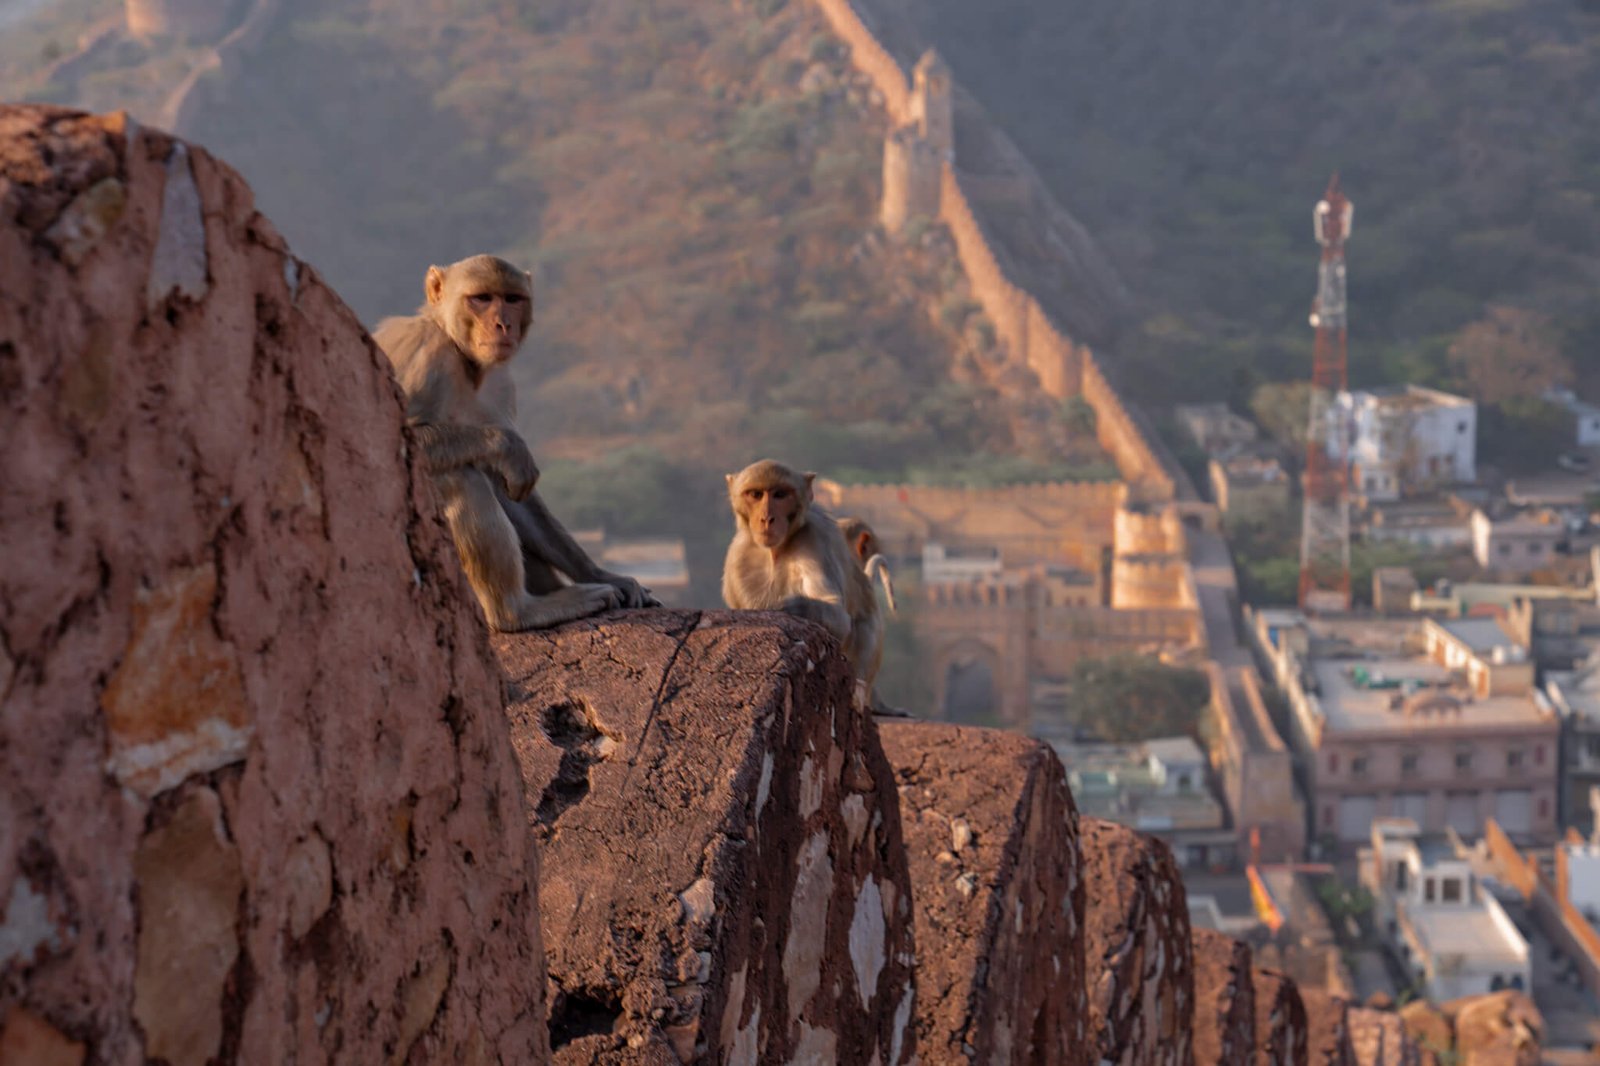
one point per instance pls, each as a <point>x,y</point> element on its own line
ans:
<point>789,555</point>
<point>524,568</point>
<point>864,542</point>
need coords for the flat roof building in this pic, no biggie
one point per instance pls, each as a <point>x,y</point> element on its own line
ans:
<point>1434,721</point>
<point>1453,937</point>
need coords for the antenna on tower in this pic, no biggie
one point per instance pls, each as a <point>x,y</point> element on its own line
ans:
<point>1325,522</point>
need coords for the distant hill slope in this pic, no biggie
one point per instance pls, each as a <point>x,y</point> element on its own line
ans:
<point>695,185</point>
<point>1193,138</point>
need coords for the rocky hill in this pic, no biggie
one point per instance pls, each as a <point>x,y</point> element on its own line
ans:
<point>1192,139</point>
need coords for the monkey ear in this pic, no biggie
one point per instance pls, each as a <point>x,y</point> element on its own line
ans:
<point>861,542</point>
<point>729,478</point>
<point>433,284</point>
<point>810,476</point>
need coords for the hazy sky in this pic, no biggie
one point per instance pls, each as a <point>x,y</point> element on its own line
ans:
<point>14,11</point>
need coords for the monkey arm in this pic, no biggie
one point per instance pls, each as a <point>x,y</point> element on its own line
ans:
<point>819,600</point>
<point>447,446</point>
<point>545,538</point>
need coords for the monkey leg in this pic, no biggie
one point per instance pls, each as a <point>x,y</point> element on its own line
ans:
<point>487,543</point>
<point>492,555</point>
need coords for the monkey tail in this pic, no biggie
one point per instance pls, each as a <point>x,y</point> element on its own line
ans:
<point>877,569</point>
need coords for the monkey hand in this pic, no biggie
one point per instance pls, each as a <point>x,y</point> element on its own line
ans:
<point>515,465</point>
<point>633,594</point>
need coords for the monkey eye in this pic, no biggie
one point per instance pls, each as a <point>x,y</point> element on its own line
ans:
<point>479,299</point>
<point>781,494</point>
<point>514,298</point>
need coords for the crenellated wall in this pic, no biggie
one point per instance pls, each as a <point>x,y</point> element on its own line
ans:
<point>870,58</point>
<point>920,111</point>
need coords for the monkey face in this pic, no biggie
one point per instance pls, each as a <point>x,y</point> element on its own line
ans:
<point>485,304</point>
<point>497,321</point>
<point>771,513</point>
<point>770,501</point>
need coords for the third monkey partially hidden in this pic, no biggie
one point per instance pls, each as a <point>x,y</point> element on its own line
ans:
<point>788,555</point>
<point>864,542</point>
<point>460,406</point>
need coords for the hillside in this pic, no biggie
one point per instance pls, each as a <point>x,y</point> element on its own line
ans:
<point>694,184</point>
<point>1192,139</point>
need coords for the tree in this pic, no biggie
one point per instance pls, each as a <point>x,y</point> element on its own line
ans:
<point>1509,354</point>
<point>1284,408</point>
<point>1129,697</point>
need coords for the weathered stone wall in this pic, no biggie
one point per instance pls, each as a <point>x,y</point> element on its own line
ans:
<point>257,794</point>
<point>1328,1029</point>
<point>1498,1029</point>
<point>724,873</point>
<point>1280,1020</point>
<point>993,840</point>
<point>1379,1038</point>
<point>1225,1000</point>
<point>1136,949</point>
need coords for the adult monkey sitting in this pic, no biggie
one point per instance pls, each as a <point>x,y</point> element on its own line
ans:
<point>514,551</point>
<point>789,555</point>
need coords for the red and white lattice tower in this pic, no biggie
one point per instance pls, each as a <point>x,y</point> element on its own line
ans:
<point>1325,526</point>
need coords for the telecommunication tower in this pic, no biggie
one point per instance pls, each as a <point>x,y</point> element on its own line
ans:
<point>1325,524</point>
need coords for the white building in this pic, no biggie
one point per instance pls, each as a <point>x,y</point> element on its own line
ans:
<point>1452,937</point>
<point>1407,438</point>
<point>956,566</point>
<point>1516,543</point>
<point>1585,417</point>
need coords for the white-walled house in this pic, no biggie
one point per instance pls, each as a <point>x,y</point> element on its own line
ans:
<point>1453,937</point>
<point>1406,439</point>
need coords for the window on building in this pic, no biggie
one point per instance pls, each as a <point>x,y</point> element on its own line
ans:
<point>1461,427</point>
<point>1505,549</point>
<point>1514,759</point>
<point>1450,889</point>
<point>1408,762</point>
<point>1535,548</point>
<point>1427,890</point>
<point>1358,766</point>
<point>1183,782</point>
<point>1400,876</point>
<point>1516,981</point>
<point>1496,983</point>
<point>1463,762</point>
<point>1333,762</point>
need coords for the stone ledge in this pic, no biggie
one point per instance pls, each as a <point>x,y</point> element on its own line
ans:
<point>995,867</point>
<point>724,872</point>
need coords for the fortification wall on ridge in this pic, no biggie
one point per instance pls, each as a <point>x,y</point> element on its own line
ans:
<point>870,58</point>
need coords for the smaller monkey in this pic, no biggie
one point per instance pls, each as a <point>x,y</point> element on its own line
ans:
<point>788,555</point>
<point>864,542</point>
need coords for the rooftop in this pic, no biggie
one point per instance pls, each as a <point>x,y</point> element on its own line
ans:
<point>1412,396</point>
<point>1450,929</point>
<point>1403,694</point>
<point>1481,635</point>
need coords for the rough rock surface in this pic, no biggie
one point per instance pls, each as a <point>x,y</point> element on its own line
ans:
<point>1379,1038</point>
<point>1498,1029</point>
<point>995,868</point>
<point>1136,949</point>
<point>1280,1019</point>
<point>725,875</point>
<point>1328,1029</point>
<point>257,794</point>
<point>1224,1003</point>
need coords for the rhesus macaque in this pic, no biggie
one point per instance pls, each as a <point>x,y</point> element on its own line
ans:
<point>788,555</point>
<point>518,558</point>
<point>864,542</point>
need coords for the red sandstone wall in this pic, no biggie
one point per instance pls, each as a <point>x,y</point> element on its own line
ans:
<point>257,793</point>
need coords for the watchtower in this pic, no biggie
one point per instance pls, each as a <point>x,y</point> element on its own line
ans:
<point>932,110</point>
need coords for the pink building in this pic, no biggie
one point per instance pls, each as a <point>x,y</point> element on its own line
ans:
<point>1438,722</point>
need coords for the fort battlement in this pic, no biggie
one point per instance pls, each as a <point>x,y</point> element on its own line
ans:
<point>919,150</point>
